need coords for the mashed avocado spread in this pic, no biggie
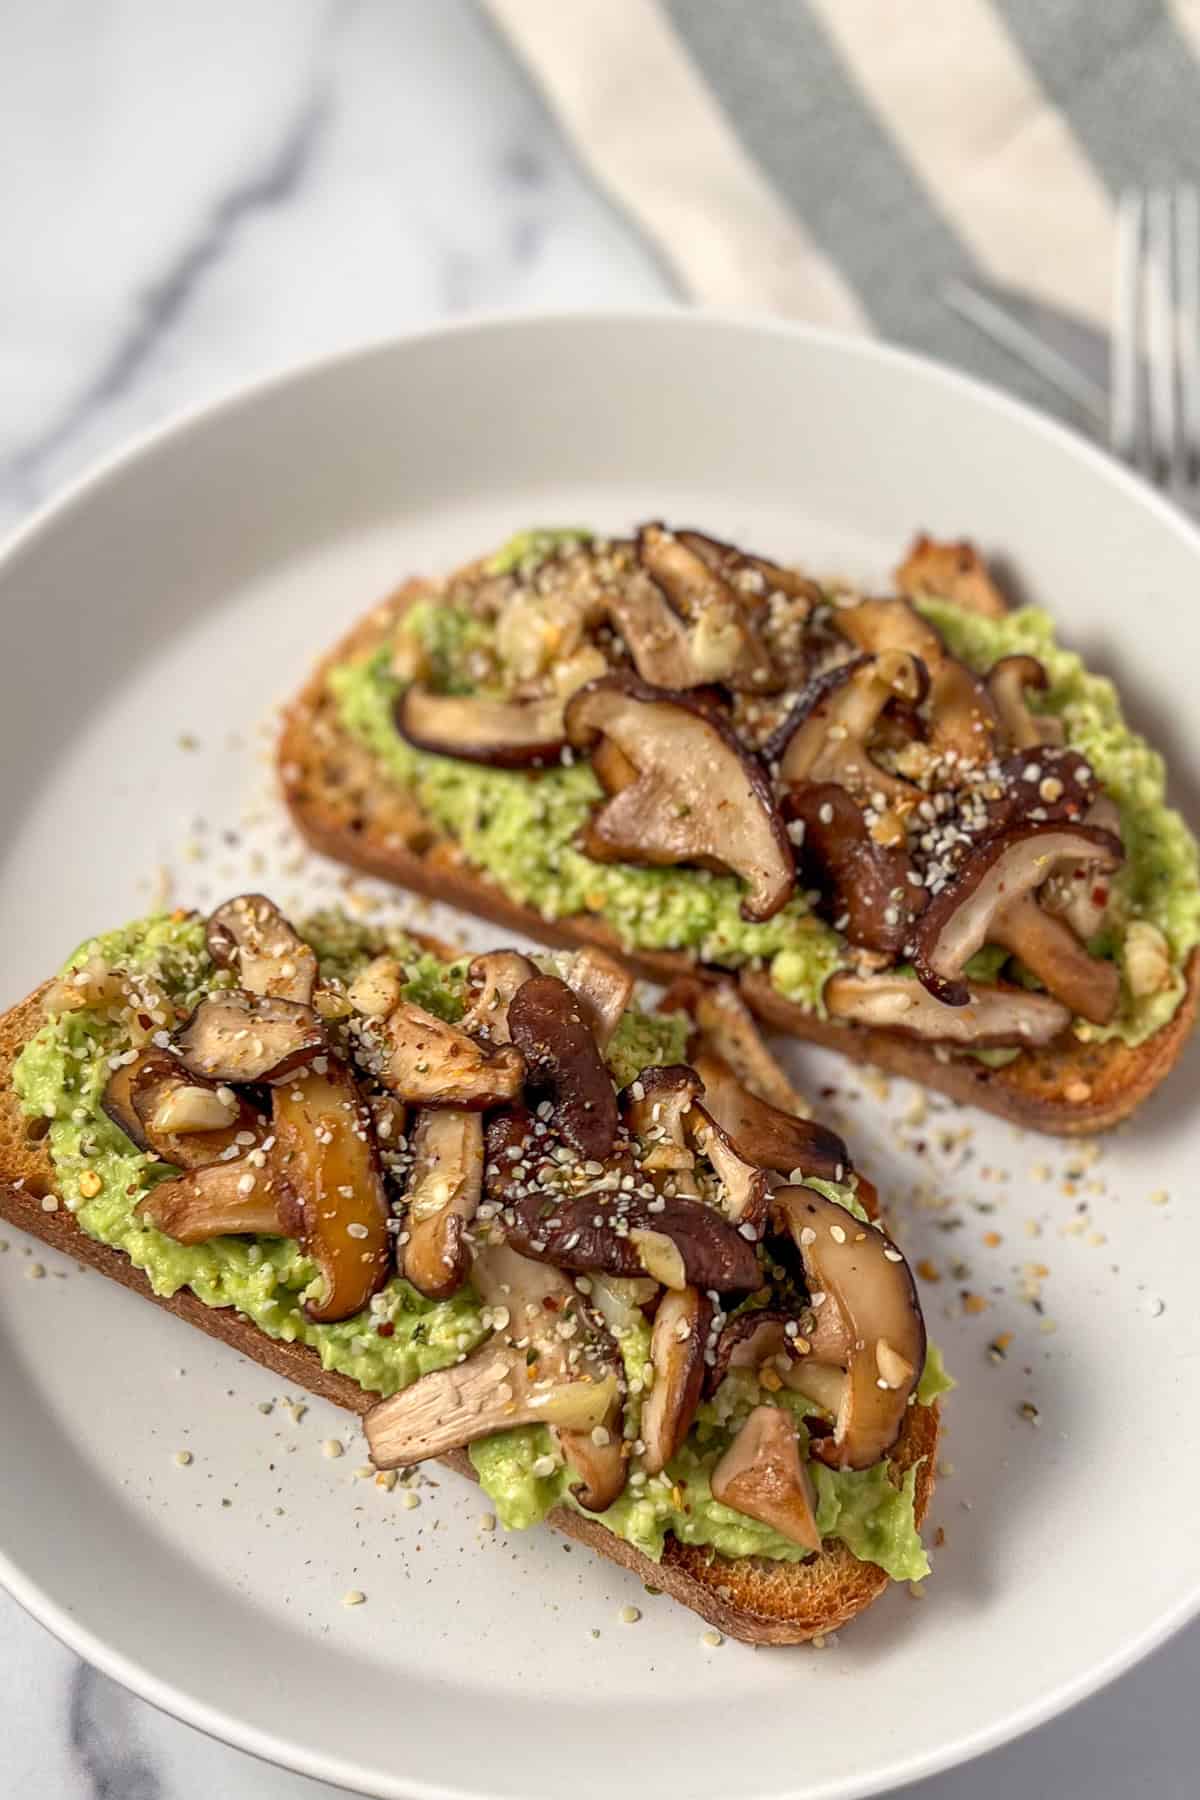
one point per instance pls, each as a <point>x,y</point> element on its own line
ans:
<point>521,828</point>
<point>60,1076</point>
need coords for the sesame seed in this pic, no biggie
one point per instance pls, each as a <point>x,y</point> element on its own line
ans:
<point>409,1499</point>
<point>629,1615</point>
<point>487,1521</point>
<point>712,1640</point>
<point>183,1458</point>
<point>332,1447</point>
<point>353,1597</point>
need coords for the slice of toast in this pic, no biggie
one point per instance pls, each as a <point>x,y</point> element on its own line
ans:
<point>349,809</point>
<point>753,1598</point>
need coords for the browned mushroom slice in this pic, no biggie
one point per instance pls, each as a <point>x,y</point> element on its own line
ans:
<point>332,1197</point>
<point>699,797</point>
<point>504,734</point>
<point>826,735</point>
<point>427,1062</point>
<point>1080,892</point>
<point>563,1063</point>
<point>528,1372</point>
<point>735,565</point>
<point>545,1317</point>
<point>655,1109</point>
<point>251,936</point>
<point>961,716</point>
<point>865,885</point>
<point>725,1027</point>
<point>761,1475</point>
<point>995,1017</point>
<point>169,1113</point>
<point>217,1200</point>
<point>755,1340</point>
<point>876,1329</point>
<point>240,1037</point>
<point>976,908</point>
<point>678,1241</point>
<point>603,986</point>
<point>1089,986</point>
<point>944,570</point>
<point>764,1135</point>
<point>722,640</point>
<point>1007,682</point>
<point>494,979</point>
<point>494,1390</point>
<point>745,1188</point>
<point>677,1346</point>
<point>443,1195</point>
<point>1054,787</point>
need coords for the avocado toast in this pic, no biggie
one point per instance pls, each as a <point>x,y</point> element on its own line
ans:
<point>484,1203</point>
<point>917,828</point>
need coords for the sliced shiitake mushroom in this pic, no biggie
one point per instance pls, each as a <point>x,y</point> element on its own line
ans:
<point>698,798</point>
<point>753,1340</point>
<point>504,734</point>
<point>761,1475</point>
<point>655,1109</point>
<point>547,1319</point>
<point>961,717</point>
<point>493,979</point>
<point>864,884</point>
<point>736,566</point>
<point>983,905</point>
<point>250,935</point>
<point>428,1062</point>
<point>1008,680</point>
<point>826,735</point>
<point>677,1346</point>
<point>1053,787</point>
<point>604,988</point>
<point>563,1063</point>
<point>996,1016</point>
<point>170,1113</point>
<point>763,1134</point>
<point>877,1332</point>
<point>234,1036</point>
<point>443,1194</point>
<point>325,1162</point>
<point>722,639</point>
<point>745,1187</point>
<point>725,1027</point>
<point>946,570</point>
<point>1080,892</point>
<point>218,1199</point>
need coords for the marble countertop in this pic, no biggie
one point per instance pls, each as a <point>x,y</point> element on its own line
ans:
<point>191,196</point>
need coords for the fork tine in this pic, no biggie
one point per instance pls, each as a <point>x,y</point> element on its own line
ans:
<point>1160,332</point>
<point>1187,275</point>
<point>1123,381</point>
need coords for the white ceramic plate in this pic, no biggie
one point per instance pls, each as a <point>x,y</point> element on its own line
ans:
<point>149,621</point>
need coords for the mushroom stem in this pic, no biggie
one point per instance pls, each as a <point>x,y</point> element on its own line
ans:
<point>1050,950</point>
<point>761,1475</point>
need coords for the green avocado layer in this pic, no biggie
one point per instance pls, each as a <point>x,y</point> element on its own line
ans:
<point>520,828</point>
<point>61,1074</point>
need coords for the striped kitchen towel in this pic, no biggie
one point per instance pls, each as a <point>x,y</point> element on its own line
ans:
<point>842,161</point>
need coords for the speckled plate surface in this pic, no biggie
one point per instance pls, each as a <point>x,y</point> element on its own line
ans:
<point>150,620</point>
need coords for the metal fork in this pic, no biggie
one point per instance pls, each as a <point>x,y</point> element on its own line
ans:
<point>1154,381</point>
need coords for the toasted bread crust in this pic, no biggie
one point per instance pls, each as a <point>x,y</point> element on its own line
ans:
<point>753,1598</point>
<point>346,810</point>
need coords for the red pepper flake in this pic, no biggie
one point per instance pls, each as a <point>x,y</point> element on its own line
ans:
<point>387,1329</point>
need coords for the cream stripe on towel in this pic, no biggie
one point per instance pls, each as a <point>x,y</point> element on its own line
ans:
<point>962,105</point>
<point>680,172</point>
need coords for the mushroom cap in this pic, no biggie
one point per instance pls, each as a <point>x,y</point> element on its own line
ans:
<point>562,1061</point>
<point>504,734</point>
<point>761,1475</point>
<point>864,883</point>
<point>235,1036</point>
<point>250,935</point>
<point>427,1062</point>
<point>136,1098</point>
<point>763,1134</point>
<point>826,735</point>
<point>877,1325</point>
<point>723,644</point>
<point>681,748</point>
<point>677,1346</point>
<point>493,979</point>
<point>603,987</point>
<point>994,876</point>
<point>1007,680</point>
<point>216,1200</point>
<point>996,1016</point>
<point>443,1195</point>
<point>325,1163</point>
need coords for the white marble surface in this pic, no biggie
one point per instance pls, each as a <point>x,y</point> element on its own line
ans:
<point>191,195</point>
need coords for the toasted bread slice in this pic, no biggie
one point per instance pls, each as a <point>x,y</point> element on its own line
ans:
<point>349,809</point>
<point>752,1598</point>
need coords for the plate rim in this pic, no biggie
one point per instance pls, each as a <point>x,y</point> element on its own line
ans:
<point>138,1677</point>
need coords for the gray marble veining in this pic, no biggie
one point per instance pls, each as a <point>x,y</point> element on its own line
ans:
<point>190,197</point>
